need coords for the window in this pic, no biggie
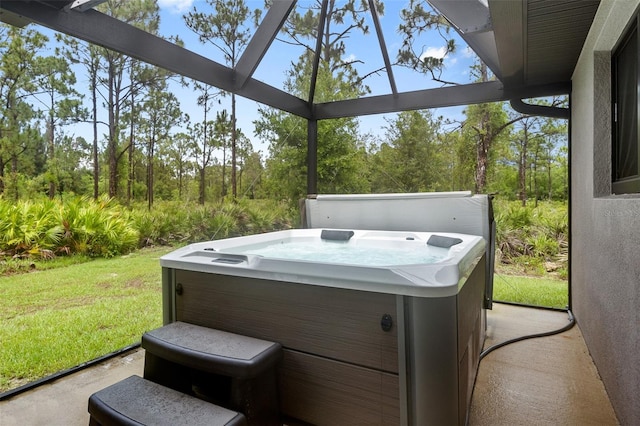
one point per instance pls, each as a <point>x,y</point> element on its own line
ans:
<point>625,154</point>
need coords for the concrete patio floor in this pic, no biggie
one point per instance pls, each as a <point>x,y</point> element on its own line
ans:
<point>546,381</point>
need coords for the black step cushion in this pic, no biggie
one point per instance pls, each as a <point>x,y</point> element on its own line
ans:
<point>211,350</point>
<point>136,401</point>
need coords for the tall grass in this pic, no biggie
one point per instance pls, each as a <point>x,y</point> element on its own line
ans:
<point>532,240</point>
<point>174,223</point>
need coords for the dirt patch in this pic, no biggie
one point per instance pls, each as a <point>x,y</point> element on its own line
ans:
<point>13,383</point>
<point>135,283</point>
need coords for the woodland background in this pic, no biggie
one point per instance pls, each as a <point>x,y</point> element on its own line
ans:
<point>149,174</point>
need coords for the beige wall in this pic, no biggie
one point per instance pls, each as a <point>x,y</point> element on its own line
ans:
<point>605,239</point>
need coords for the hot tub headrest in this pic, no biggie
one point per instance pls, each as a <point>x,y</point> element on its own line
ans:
<point>336,235</point>
<point>442,241</point>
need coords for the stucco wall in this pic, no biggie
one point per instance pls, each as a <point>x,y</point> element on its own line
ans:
<point>605,239</point>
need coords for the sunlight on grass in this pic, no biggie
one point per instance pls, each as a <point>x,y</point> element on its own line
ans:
<point>56,319</point>
<point>533,291</point>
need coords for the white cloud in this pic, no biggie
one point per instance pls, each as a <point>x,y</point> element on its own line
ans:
<point>350,58</point>
<point>468,52</point>
<point>175,6</point>
<point>434,52</point>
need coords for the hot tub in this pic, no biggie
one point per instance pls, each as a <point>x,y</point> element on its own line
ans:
<point>407,263</point>
<point>378,327</point>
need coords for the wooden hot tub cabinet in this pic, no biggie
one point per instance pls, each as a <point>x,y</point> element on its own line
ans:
<point>344,361</point>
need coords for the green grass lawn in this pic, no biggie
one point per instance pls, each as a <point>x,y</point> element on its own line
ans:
<point>535,291</point>
<point>56,319</point>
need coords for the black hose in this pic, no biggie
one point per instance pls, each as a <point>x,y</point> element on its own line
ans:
<point>572,322</point>
<point>528,305</point>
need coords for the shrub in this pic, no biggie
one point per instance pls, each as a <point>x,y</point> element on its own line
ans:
<point>81,225</point>
<point>172,222</point>
<point>164,224</point>
<point>97,228</point>
<point>542,246</point>
<point>103,228</point>
<point>28,229</point>
<point>534,239</point>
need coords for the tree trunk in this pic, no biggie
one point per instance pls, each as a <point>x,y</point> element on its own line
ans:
<point>51,154</point>
<point>130,150</point>
<point>205,146</point>
<point>112,148</point>
<point>549,164</point>
<point>201,195</point>
<point>224,166</point>
<point>534,178</point>
<point>484,141</point>
<point>234,189</point>
<point>180,182</point>
<point>522,170</point>
<point>150,171</point>
<point>14,176</point>
<point>94,106</point>
<point>2,176</point>
<point>51,133</point>
<point>482,158</point>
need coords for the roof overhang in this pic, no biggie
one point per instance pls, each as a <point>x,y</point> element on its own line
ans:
<point>525,43</point>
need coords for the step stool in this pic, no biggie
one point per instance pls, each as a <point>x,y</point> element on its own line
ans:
<point>234,371</point>
<point>136,401</point>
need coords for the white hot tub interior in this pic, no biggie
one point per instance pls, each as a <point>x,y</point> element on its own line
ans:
<point>372,248</point>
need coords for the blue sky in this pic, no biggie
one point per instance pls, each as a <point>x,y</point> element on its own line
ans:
<point>276,61</point>
<point>358,47</point>
<point>274,64</point>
